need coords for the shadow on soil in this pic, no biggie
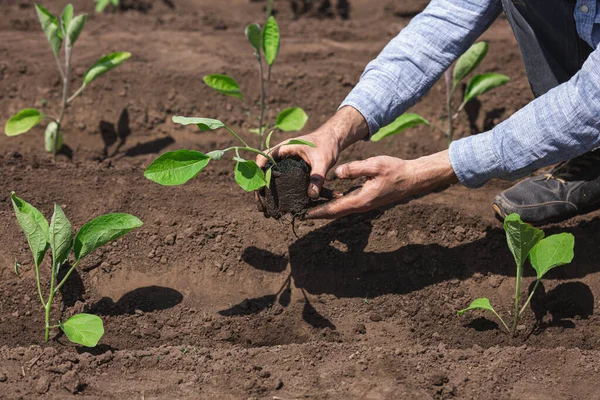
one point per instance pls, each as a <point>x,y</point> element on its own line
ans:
<point>116,137</point>
<point>145,299</point>
<point>332,260</point>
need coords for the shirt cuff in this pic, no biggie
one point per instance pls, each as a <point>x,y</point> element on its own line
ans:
<point>474,160</point>
<point>367,98</point>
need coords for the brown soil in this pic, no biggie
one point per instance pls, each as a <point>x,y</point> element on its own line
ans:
<point>211,300</point>
<point>287,193</point>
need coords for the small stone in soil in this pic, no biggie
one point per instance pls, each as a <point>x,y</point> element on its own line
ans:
<point>438,379</point>
<point>375,317</point>
<point>42,385</point>
<point>360,328</point>
<point>3,377</point>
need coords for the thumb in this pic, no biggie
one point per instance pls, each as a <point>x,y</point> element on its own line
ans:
<point>318,172</point>
<point>357,169</point>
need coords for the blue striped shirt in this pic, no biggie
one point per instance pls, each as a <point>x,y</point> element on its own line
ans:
<point>561,124</point>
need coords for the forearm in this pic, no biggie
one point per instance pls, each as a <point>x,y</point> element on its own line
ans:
<point>413,61</point>
<point>347,127</point>
<point>433,172</point>
<point>560,125</point>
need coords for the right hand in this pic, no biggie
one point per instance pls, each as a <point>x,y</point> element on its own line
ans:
<point>347,126</point>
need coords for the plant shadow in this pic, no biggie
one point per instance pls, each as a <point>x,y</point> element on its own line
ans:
<point>144,299</point>
<point>116,137</point>
<point>564,303</point>
<point>333,260</point>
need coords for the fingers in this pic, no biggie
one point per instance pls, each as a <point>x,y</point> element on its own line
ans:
<point>355,202</point>
<point>318,171</point>
<point>357,169</point>
<point>330,194</point>
<point>275,154</point>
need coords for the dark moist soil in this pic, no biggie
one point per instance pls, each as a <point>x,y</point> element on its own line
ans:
<point>208,299</point>
<point>288,191</point>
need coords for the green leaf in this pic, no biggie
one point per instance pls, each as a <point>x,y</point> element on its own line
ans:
<point>51,28</point>
<point>176,167</point>
<point>481,303</point>
<point>61,236</point>
<point>483,83</point>
<point>67,17</point>
<point>401,123</point>
<point>104,65</point>
<point>254,130</point>
<point>34,226</point>
<point>300,142</point>
<point>552,252</point>
<point>205,124</point>
<point>249,176</point>
<point>215,154</point>
<point>102,230</point>
<point>23,121</point>
<point>102,4</point>
<point>521,237</point>
<point>268,175</point>
<point>268,140</point>
<point>75,29</point>
<point>84,329</point>
<point>223,84</point>
<point>291,119</point>
<point>271,40</point>
<point>469,61</point>
<point>17,268</point>
<point>51,131</point>
<point>254,36</point>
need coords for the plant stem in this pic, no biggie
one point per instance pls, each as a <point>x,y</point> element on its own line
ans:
<point>517,292</point>
<point>62,74</point>
<point>253,150</point>
<point>501,320</point>
<point>529,298</point>
<point>48,305</point>
<point>77,93</point>
<point>39,285</point>
<point>236,136</point>
<point>63,107</point>
<point>60,285</point>
<point>450,93</point>
<point>262,102</point>
<point>47,308</point>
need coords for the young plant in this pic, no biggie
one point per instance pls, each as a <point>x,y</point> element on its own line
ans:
<point>479,84</point>
<point>525,241</point>
<point>102,4</point>
<point>84,329</point>
<point>66,29</point>
<point>177,167</point>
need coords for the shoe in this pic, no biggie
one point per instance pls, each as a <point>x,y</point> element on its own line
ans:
<point>571,188</point>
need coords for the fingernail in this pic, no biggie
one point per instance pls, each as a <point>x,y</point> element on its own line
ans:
<point>313,191</point>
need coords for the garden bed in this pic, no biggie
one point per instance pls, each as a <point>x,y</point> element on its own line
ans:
<point>209,298</point>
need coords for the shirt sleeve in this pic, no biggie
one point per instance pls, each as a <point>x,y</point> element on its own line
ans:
<point>562,124</point>
<point>415,59</point>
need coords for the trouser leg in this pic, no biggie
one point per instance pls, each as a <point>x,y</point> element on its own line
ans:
<point>547,36</point>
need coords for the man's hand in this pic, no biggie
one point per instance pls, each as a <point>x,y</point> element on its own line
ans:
<point>347,126</point>
<point>389,180</point>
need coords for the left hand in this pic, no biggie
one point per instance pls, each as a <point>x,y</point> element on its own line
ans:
<point>389,180</point>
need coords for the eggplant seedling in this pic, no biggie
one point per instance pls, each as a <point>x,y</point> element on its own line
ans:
<point>66,29</point>
<point>84,329</point>
<point>102,4</point>
<point>544,253</point>
<point>177,167</point>
<point>479,84</point>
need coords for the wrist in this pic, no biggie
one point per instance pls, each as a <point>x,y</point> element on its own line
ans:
<point>347,127</point>
<point>434,171</point>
